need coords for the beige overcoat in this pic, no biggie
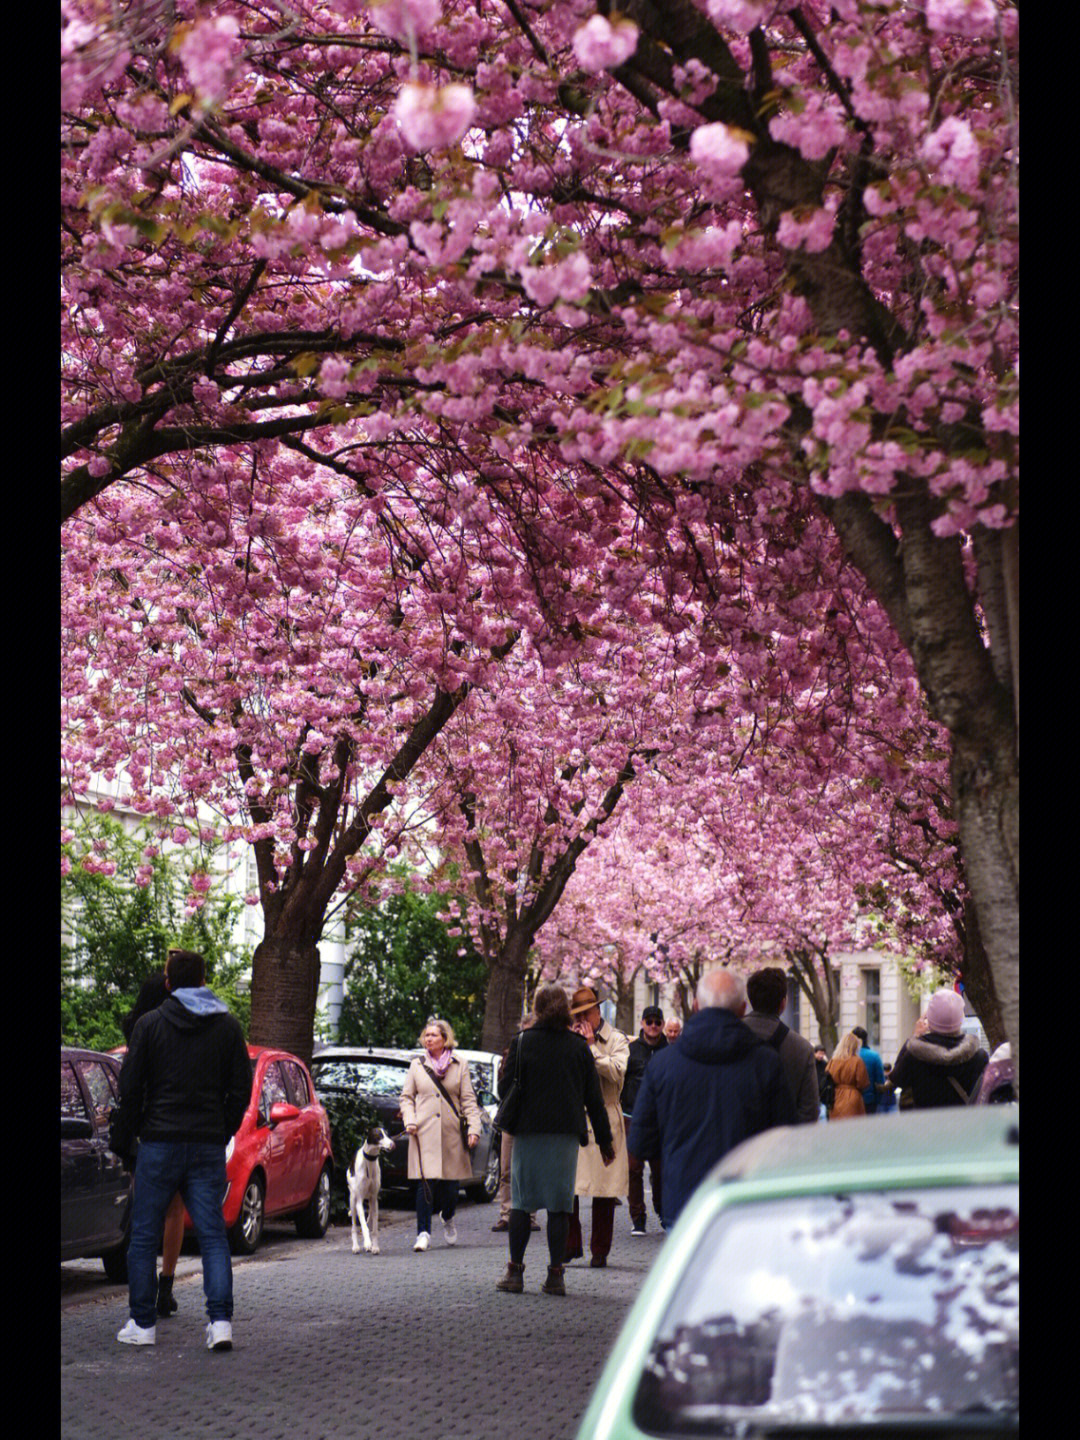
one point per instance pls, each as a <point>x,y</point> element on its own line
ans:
<point>611,1051</point>
<point>443,1154</point>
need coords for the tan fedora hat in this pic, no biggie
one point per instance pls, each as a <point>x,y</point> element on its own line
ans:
<point>584,999</point>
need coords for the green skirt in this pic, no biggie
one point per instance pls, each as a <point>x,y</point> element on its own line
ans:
<point>543,1169</point>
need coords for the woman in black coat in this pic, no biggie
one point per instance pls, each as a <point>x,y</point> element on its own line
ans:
<point>551,1084</point>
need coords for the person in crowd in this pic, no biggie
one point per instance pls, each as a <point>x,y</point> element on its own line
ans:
<point>943,1065</point>
<point>506,1140</point>
<point>767,991</point>
<point>874,1068</point>
<point>886,1104</point>
<point>650,1041</point>
<point>603,1183</point>
<point>849,1076</point>
<point>436,1098</point>
<point>184,1087</point>
<point>152,993</point>
<point>553,1095</point>
<point>821,1062</point>
<point>717,1087</point>
<point>997,1085</point>
<point>672,1029</point>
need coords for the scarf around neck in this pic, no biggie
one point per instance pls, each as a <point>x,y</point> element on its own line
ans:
<point>442,1064</point>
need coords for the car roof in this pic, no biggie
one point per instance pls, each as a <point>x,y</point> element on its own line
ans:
<point>920,1145</point>
<point>76,1052</point>
<point>363,1052</point>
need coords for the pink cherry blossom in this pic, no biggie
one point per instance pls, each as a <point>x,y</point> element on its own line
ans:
<point>431,118</point>
<point>719,149</point>
<point>601,45</point>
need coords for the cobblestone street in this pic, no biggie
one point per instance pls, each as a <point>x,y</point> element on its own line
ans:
<point>355,1347</point>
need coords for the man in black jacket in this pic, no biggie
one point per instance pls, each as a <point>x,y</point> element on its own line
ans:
<point>651,1040</point>
<point>184,1086</point>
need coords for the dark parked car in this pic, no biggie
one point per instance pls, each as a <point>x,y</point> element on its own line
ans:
<point>95,1190</point>
<point>360,1077</point>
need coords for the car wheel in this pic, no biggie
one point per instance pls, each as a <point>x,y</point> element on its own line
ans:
<point>245,1234</point>
<point>313,1222</point>
<point>492,1170</point>
<point>115,1263</point>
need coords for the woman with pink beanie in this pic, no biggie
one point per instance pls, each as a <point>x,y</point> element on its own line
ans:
<point>942,1066</point>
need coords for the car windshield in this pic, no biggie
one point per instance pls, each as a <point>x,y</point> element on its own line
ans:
<point>371,1077</point>
<point>846,1309</point>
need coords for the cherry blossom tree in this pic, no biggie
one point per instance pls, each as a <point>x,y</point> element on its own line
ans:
<point>611,283</point>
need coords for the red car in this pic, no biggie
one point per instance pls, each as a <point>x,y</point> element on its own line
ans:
<point>279,1162</point>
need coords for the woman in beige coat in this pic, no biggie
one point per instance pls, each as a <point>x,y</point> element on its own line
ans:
<point>437,1157</point>
<point>604,1183</point>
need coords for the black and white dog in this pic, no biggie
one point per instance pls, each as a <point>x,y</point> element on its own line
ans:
<point>364,1180</point>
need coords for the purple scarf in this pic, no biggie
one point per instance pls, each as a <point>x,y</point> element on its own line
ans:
<point>442,1064</point>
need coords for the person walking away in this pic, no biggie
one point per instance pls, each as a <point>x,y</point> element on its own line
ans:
<point>650,1041</point>
<point>767,991</point>
<point>886,1104</point>
<point>153,992</point>
<point>604,1183</point>
<point>874,1068</point>
<point>184,1087</point>
<point>437,1096</point>
<point>850,1078</point>
<point>717,1087</point>
<point>553,1095</point>
<point>942,1066</point>
<point>506,1141</point>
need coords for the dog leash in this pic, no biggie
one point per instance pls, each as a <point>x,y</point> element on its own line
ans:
<point>429,1194</point>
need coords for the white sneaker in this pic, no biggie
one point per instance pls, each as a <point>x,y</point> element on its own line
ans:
<point>219,1335</point>
<point>423,1240</point>
<point>133,1334</point>
<point>450,1232</point>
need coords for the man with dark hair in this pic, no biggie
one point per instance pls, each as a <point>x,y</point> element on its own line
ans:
<point>650,1042</point>
<point>184,1086</point>
<point>874,1068</point>
<point>717,1087</point>
<point>767,991</point>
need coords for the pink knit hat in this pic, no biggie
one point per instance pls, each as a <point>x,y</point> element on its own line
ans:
<point>945,1013</point>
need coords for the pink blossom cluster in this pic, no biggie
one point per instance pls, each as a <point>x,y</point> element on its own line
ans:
<point>601,45</point>
<point>211,51</point>
<point>431,118</point>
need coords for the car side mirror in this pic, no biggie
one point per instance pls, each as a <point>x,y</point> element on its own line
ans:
<point>282,1110</point>
<point>73,1127</point>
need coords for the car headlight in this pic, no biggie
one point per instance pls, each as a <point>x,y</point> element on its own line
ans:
<point>229,1148</point>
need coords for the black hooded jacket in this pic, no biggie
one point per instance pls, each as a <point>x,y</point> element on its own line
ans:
<point>187,1074</point>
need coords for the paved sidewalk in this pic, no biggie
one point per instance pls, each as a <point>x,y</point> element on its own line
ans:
<point>334,1346</point>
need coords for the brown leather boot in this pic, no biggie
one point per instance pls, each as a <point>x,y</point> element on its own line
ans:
<point>554,1285</point>
<point>514,1279</point>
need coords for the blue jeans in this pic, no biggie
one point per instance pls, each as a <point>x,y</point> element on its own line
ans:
<point>444,1194</point>
<point>198,1172</point>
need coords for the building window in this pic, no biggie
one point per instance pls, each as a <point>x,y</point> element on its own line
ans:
<point>871,998</point>
<point>794,995</point>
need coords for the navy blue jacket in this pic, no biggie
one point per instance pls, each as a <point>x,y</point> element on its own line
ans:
<point>714,1087</point>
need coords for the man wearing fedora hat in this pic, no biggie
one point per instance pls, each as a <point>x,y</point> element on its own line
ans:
<point>605,1183</point>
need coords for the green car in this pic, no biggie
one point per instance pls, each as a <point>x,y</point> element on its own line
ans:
<point>859,1277</point>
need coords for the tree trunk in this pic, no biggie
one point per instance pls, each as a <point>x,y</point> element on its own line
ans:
<point>979,980</point>
<point>504,1005</point>
<point>817,980</point>
<point>987,794</point>
<point>284,988</point>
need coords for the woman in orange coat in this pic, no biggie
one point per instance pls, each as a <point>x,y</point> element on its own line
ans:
<point>850,1078</point>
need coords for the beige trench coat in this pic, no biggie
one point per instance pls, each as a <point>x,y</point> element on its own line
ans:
<point>611,1051</point>
<point>439,1137</point>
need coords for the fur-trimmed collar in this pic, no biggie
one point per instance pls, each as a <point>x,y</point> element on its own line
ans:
<point>942,1049</point>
